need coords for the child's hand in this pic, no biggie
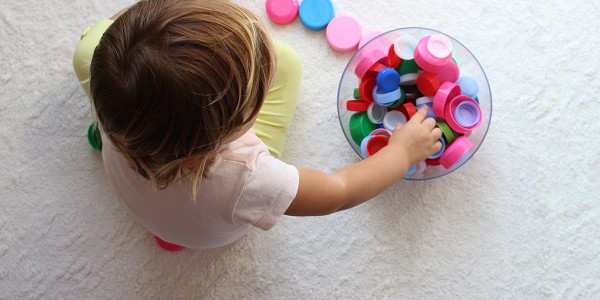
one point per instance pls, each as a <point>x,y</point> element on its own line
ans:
<point>418,138</point>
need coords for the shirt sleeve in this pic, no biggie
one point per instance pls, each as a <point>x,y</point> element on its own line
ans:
<point>270,188</point>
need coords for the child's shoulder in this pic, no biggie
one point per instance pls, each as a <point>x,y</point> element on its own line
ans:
<point>246,149</point>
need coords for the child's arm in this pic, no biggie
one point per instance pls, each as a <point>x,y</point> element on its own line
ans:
<point>320,193</point>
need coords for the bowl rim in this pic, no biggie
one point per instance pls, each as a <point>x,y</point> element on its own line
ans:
<point>434,30</point>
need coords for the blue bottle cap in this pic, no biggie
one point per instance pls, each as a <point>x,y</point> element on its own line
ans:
<point>439,153</point>
<point>388,79</point>
<point>316,14</point>
<point>468,86</point>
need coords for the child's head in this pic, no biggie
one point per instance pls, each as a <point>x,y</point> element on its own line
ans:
<point>173,79</point>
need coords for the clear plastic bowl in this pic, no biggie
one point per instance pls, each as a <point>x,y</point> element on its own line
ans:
<point>468,65</point>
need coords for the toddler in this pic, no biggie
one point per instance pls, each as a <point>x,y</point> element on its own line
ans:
<point>193,101</point>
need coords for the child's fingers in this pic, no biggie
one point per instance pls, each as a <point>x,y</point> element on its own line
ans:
<point>429,123</point>
<point>420,115</point>
<point>436,133</point>
<point>398,127</point>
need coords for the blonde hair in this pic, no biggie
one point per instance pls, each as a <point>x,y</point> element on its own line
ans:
<point>171,79</point>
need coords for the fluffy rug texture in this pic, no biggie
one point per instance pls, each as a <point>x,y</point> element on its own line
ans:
<point>519,220</point>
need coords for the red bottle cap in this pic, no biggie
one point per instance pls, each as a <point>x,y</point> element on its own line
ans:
<point>376,143</point>
<point>357,105</point>
<point>374,70</point>
<point>433,162</point>
<point>366,89</point>
<point>428,84</point>
<point>392,59</point>
<point>408,109</point>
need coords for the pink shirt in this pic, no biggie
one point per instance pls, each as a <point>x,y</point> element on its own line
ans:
<point>246,187</point>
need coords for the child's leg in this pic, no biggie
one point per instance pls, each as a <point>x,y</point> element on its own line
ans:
<point>279,105</point>
<point>85,50</point>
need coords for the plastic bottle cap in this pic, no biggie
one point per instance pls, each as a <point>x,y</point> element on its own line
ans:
<point>408,66</point>
<point>366,88</point>
<point>386,99</point>
<point>411,92</point>
<point>393,60</point>
<point>450,73</point>
<point>432,162</point>
<point>455,152</point>
<point>439,46</point>
<point>467,114</point>
<point>408,109</point>
<point>398,102</point>
<point>446,92</point>
<point>423,100</point>
<point>376,143</point>
<point>388,80</point>
<point>343,33</point>
<point>468,86</point>
<point>94,136</point>
<point>356,94</point>
<point>430,113</point>
<point>427,61</point>
<point>447,133</point>
<point>392,118</point>
<point>409,79</point>
<point>374,70</point>
<point>316,14</point>
<point>411,170</point>
<point>405,46</point>
<point>363,146</point>
<point>450,109</point>
<point>282,11</point>
<point>428,84</point>
<point>357,105</point>
<point>376,113</point>
<point>439,153</point>
<point>381,131</point>
<point>360,126</point>
<point>367,61</point>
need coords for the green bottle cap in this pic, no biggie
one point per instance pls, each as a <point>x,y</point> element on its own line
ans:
<point>94,137</point>
<point>360,127</point>
<point>448,134</point>
<point>408,67</point>
<point>357,94</point>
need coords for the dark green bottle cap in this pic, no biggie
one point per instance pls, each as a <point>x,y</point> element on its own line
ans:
<point>408,67</point>
<point>357,94</point>
<point>360,127</point>
<point>94,137</point>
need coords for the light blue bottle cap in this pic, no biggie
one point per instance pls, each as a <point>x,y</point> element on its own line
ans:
<point>363,146</point>
<point>430,113</point>
<point>410,171</point>
<point>468,86</point>
<point>316,14</point>
<point>439,153</point>
<point>386,99</point>
<point>388,79</point>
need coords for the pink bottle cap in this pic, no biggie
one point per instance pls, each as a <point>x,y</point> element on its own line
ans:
<point>455,152</point>
<point>343,33</point>
<point>368,60</point>
<point>439,46</point>
<point>405,46</point>
<point>381,131</point>
<point>392,118</point>
<point>426,60</point>
<point>282,11</point>
<point>452,107</point>
<point>450,73</point>
<point>445,93</point>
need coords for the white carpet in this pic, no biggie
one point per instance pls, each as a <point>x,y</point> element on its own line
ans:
<point>520,220</point>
